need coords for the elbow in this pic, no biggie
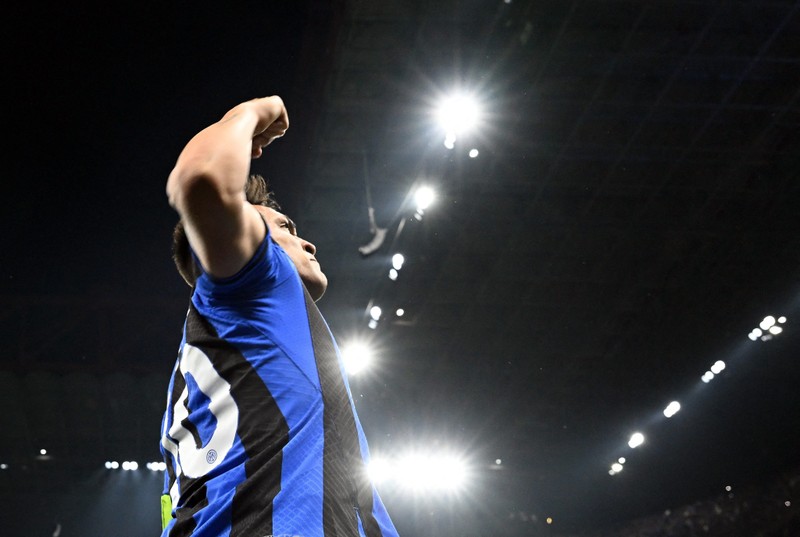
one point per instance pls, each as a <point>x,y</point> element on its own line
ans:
<point>187,189</point>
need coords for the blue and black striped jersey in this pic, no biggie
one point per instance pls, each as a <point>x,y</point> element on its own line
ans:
<point>260,435</point>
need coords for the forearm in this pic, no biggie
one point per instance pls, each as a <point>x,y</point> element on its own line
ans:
<point>216,161</point>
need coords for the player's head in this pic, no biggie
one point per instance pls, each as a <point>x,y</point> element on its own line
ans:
<point>282,230</point>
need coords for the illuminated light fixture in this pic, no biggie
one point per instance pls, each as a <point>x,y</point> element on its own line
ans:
<point>373,324</point>
<point>767,328</point>
<point>621,460</point>
<point>156,466</point>
<point>3,466</point>
<point>637,439</point>
<point>707,376</point>
<point>612,472</point>
<point>42,452</point>
<point>617,467</point>
<point>400,312</point>
<point>375,313</point>
<point>457,114</point>
<point>426,473</point>
<point>672,409</point>
<point>549,520</point>
<point>130,465</point>
<point>424,197</point>
<point>393,274</point>
<point>768,321</point>
<point>397,261</point>
<point>356,358</point>
<point>718,366</point>
<point>755,334</point>
<point>498,462</point>
<point>379,470</point>
<point>473,153</point>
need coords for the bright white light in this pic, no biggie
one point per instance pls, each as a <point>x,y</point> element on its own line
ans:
<point>611,472</point>
<point>42,452</point>
<point>108,465</point>
<point>458,114</point>
<point>637,439</point>
<point>400,312</point>
<point>3,466</point>
<point>617,467</point>
<point>498,462</point>
<point>375,313</point>
<point>775,330</point>
<point>718,366</point>
<point>393,274</point>
<point>450,140</point>
<point>621,460</point>
<point>781,319</point>
<point>473,153</point>
<point>397,261</point>
<point>423,197</point>
<point>379,470</point>
<point>356,357</point>
<point>114,465</point>
<point>672,409</point>
<point>707,376</point>
<point>421,473</point>
<point>768,321</point>
<point>130,465</point>
<point>373,324</point>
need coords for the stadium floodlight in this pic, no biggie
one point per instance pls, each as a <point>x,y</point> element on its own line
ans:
<point>356,357</point>
<point>672,409</point>
<point>379,470</point>
<point>424,473</point>
<point>375,313</point>
<point>397,261</point>
<point>637,439</point>
<point>423,197</point>
<point>458,114</point>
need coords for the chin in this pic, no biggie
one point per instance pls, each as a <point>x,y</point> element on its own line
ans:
<point>316,293</point>
<point>316,288</point>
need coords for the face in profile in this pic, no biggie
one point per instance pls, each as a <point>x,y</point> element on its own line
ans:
<point>300,251</point>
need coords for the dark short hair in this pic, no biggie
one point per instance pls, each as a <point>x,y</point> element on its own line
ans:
<point>256,192</point>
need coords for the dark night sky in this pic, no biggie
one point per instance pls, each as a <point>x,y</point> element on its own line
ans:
<point>101,100</point>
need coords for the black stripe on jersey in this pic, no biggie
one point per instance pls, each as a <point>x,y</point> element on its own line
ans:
<point>346,487</point>
<point>262,429</point>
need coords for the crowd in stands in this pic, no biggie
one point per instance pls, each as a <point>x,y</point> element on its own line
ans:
<point>756,511</point>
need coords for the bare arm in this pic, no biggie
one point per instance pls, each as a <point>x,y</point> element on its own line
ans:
<point>206,186</point>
